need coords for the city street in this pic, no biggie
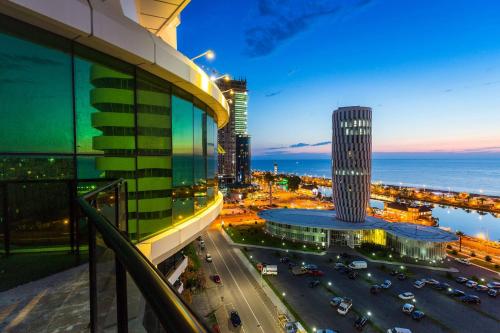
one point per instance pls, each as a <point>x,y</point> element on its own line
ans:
<point>238,291</point>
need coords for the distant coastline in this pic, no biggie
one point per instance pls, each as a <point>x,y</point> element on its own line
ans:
<point>480,176</point>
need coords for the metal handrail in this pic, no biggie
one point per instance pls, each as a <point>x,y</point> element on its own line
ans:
<point>173,314</point>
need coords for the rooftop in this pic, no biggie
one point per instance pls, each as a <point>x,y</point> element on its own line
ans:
<point>326,219</point>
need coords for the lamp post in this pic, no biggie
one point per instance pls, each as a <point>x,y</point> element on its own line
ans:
<point>209,54</point>
<point>226,77</point>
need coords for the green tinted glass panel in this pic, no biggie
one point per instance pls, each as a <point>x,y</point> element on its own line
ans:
<point>36,167</point>
<point>182,141</point>
<point>182,208</point>
<point>36,112</point>
<point>87,168</point>
<point>38,216</point>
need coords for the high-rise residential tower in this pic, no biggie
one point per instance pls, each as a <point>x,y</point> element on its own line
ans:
<point>229,166</point>
<point>351,161</point>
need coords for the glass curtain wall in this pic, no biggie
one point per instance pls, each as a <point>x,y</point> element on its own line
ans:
<point>73,119</point>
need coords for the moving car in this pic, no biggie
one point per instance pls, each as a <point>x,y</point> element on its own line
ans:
<point>493,292</point>
<point>360,322</point>
<point>408,308</point>
<point>406,295</point>
<point>481,287</point>
<point>470,299</point>
<point>235,319</point>
<point>344,306</point>
<point>359,264</point>
<point>419,284</point>
<point>471,284</point>
<point>335,301</point>
<point>461,279</point>
<point>216,278</point>
<point>314,283</point>
<point>398,330</point>
<point>208,257</point>
<point>386,284</point>
<point>456,293</point>
<point>417,315</point>
<point>463,261</point>
<point>375,289</point>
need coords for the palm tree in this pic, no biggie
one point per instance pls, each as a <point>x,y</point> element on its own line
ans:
<point>269,178</point>
<point>460,234</point>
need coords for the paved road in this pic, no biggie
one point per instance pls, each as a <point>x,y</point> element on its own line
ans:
<point>444,314</point>
<point>239,290</point>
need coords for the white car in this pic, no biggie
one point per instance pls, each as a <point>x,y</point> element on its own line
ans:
<point>398,330</point>
<point>493,285</point>
<point>208,257</point>
<point>463,261</point>
<point>386,284</point>
<point>471,284</point>
<point>431,281</point>
<point>406,295</point>
<point>419,284</point>
<point>408,308</point>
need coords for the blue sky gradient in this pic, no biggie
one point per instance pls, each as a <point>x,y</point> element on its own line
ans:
<point>429,69</point>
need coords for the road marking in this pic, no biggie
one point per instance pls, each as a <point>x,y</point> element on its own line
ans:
<point>232,276</point>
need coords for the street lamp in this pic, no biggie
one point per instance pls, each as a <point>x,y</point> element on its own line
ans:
<point>283,294</point>
<point>231,91</point>
<point>226,77</point>
<point>209,54</point>
<point>369,314</point>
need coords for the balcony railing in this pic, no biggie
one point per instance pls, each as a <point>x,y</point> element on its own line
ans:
<point>127,292</point>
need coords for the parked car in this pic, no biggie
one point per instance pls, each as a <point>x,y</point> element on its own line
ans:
<point>470,299</point>
<point>461,279</point>
<point>316,272</point>
<point>310,266</point>
<point>402,276</point>
<point>418,284</point>
<point>360,322</point>
<point>235,319</point>
<point>386,284</point>
<point>358,264</point>
<point>398,330</point>
<point>314,283</point>
<point>284,260</point>
<point>406,295</point>
<point>216,278</point>
<point>408,308</point>
<point>471,284</point>
<point>482,287</point>
<point>208,257</point>
<point>493,285</point>
<point>327,330</point>
<point>430,281</point>
<point>456,293</point>
<point>352,275</point>
<point>339,266</point>
<point>417,315</point>
<point>493,292</point>
<point>463,261</point>
<point>441,286</point>
<point>335,301</point>
<point>375,289</point>
<point>344,306</point>
<point>299,270</point>
<point>394,272</point>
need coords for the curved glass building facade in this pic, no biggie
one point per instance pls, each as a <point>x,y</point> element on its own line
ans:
<point>72,119</point>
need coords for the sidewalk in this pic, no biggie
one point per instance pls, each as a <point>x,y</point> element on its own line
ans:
<point>230,241</point>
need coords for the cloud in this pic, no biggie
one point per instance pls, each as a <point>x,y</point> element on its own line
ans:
<point>273,93</point>
<point>280,20</point>
<point>292,71</point>
<point>482,149</point>
<point>299,145</point>
<point>324,143</point>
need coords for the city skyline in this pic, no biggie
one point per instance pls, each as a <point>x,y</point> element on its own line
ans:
<point>431,81</point>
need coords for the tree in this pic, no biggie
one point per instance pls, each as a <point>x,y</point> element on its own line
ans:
<point>460,234</point>
<point>293,182</point>
<point>269,178</point>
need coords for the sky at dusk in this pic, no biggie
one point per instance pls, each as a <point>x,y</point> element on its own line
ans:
<point>429,69</point>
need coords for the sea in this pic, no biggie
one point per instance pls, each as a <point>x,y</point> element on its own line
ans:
<point>460,175</point>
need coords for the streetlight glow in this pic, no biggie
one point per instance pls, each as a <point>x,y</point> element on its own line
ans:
<point>209,54</point>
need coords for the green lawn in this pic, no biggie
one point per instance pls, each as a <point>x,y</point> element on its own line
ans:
<point>253,234</point>
<point>20,268</point>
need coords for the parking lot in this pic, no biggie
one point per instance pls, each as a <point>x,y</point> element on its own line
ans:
<point>443,313</point>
